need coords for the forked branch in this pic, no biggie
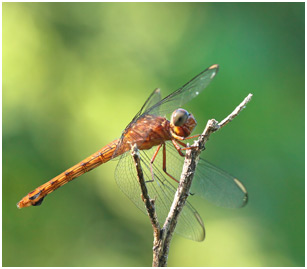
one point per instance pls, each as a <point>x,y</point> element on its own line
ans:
<point>162,237</point>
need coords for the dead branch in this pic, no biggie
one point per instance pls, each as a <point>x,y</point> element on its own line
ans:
<point>162,237</point>
<point>149,203</point>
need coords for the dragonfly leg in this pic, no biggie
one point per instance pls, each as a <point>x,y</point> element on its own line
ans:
<point>185,147</point>
<point>177,137</point>
<point>193,136</point>
<point>151,162</point>
<point>181,143</point>
<point>164,158</point>
<point>164,164</point>
<point>191,147</point>
<point>178,147</point>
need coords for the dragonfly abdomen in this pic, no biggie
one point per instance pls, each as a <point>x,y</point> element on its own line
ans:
<point>101,156</point>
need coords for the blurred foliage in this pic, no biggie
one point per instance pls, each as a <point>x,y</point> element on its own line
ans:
<point>74,75</point>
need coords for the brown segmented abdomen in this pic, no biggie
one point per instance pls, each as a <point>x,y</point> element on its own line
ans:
<point>101,156</point>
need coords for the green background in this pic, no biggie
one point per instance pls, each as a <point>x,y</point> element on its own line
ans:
<point>74,75</point>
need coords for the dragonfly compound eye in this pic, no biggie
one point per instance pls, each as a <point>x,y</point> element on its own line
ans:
<point>179,117</point>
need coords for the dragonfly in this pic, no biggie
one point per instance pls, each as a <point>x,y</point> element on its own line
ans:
<point>161,143</point>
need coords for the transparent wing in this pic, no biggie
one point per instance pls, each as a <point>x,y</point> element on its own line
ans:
<point>161,189</point>
<point>210,182</point>
<point>154,98</point>
<point>218,187</point>
<point>184,94</point>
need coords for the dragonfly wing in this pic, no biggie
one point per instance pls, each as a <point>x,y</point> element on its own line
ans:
<point>154,98</point>
<point>161,189</point>
<point>218,187</point>
<point>184,94</point>
<point>210,182</point>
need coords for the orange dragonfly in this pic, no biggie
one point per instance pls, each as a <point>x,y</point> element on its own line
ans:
<point>150,131</point>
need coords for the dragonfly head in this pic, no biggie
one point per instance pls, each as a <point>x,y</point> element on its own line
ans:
<point>182,122</point>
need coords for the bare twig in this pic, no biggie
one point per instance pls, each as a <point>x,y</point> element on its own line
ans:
<point>162,238</point>
<point>235,113</point>
<point>149,203</point>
